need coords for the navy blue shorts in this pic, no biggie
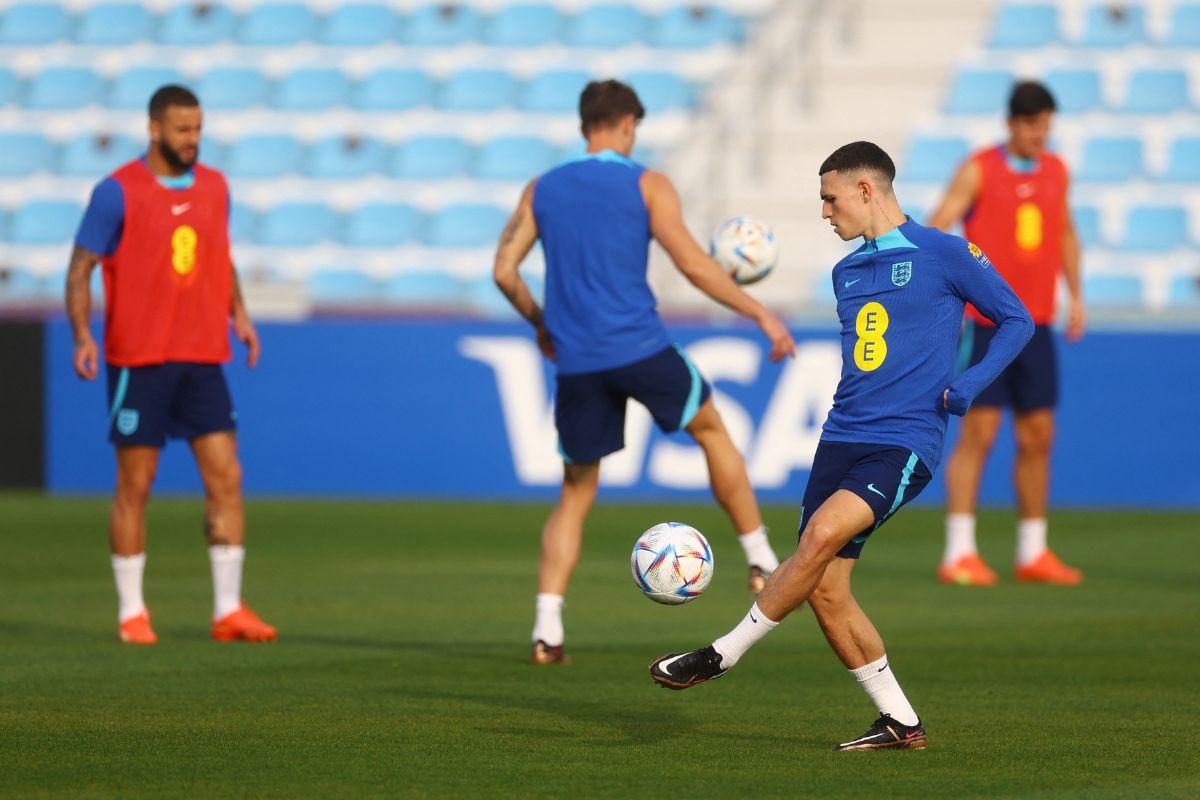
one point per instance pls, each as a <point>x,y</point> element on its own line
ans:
<point>1029,382</point>
<point>589,408</point>
<point>179,399</point>
<point>884,476</point>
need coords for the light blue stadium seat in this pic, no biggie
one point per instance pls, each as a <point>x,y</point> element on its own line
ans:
<point>196,24</point>
<point>477,90</point>
<point>662,91</point>
<point>605,25</point>
<point>243,222</point>
<point>1025,25</point>
<point>1155,229</point>
<point>525,25</point>
<point>133,88</point>
<point>312,89</point>
<point>1184,290</point>
<point>1087,225</point>
<point>94,155</point>
<point>425,289</point>
<point>514,158</point>
<point>431,158</point>
<point>263,156</point>
<point>114,24</point>
<point>8,86</point>
<point>382,225</point>
<point>440,25</point>
<point>1184,28</point>
<point>933,159</point>
<point>465,225</point>
<point>277,24</point>
<point>24,154</point>
<point>980,91</point>
<point>393,90</point>
<point>358,24</point>
<point>64,88</point>
<point>344,158</point>
<point>1157,91</point>
<point>297,225</point>
<point>556,91</point>
<point>232,88</point>
<point>34,23</point>
<point>482,296</point>
<point>694,25</point>
<point>21,284</point>
<point>343,286</point>
<point>1113,25</point>
<point>1111,158</point>
<point>1183,160</point>
<point>1075,90</point>
<point>45,222</point>
<point>1112,290</point>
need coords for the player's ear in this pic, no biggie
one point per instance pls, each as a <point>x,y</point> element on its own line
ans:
<point>865,189</point>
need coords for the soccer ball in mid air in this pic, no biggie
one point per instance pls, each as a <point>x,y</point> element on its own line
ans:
<point>672,563</point>
<point>745,248</point>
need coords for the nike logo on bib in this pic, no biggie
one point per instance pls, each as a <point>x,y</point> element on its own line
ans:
<point>179,209</point>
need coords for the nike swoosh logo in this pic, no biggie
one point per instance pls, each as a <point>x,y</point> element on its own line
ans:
<point>179,209</point>
<point>863,739</point>
<point>871,488</point>
<point>665,665</point>
<point>848,284</point>
<point>881,669</point>
<point>911,734</point>
<point>753,618</point>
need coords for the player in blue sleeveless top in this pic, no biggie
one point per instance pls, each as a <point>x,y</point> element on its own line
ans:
<point>900,300</point>
<point>595,216</point>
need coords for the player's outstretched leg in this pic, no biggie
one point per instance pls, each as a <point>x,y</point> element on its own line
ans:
<point>731,488</point>
<point>136,467</point>
<point>1035,561</point>
<point>961,563</point>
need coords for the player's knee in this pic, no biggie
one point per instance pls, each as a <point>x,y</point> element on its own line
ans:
<point>134,485</point>
<point>1035,439</point>
<point>821,540</point>
<point>225,482</point>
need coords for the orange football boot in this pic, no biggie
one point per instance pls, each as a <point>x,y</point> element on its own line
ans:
<point>137,630</point>
<point>968,570</point>
<point>1047,568</point>
<point>242,625</point>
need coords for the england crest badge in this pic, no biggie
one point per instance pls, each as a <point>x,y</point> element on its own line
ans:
<point>901,273</point>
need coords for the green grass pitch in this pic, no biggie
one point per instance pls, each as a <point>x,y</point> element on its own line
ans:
<point>401,667</point>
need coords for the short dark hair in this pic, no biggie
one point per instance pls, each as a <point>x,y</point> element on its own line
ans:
<point>171,95</point>
<point>604,103</point>
<point>1030,98</point>
<point>860,155</point>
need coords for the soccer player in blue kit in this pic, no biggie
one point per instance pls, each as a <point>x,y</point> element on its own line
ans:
<point>900,299</point>
<point>595,216</point>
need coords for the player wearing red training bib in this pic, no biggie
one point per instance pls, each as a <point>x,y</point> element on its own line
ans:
<point>159,225</point>
<point>1012,200</point>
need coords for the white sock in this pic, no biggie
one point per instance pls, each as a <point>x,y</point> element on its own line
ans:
<point>127,571</point>
<point>758,549</point>
<point>960,537</point>
<point>548,625</point>
<point>226,560</point>
<point>877,680</point>
<point>733,645</point>
<point>1031,540</point>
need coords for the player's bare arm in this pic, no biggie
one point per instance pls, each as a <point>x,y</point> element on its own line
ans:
<point>243,328</point>
<point>1076,315</point>
<point>517,239</point>
<point>667,226</point>
<point>79,308</point>
<point>959,198</point>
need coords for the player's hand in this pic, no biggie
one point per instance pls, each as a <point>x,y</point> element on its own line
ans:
<point>244,330</point>
<point>782,343</point>
<point>545,343</point>
<point>87,358</point>
<point>1076,321</point>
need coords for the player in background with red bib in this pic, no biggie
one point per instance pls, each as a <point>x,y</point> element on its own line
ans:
<point>159,225</point>
<point>1012,200</point>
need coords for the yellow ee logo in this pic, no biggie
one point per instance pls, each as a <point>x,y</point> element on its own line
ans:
<point>183,249</point>
<point>1029,226</point>
<point>870,350</point>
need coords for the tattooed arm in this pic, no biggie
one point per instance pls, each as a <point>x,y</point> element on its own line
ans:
<point>79,307</point>
<point>518,239</point>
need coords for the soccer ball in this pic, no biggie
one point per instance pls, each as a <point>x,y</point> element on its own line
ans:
<point>745,248</point>
<point>672,563</point>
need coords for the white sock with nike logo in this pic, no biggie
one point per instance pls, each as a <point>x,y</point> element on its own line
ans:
<point>758,549</point>
<point>733,645</point>
<point>877,680</point>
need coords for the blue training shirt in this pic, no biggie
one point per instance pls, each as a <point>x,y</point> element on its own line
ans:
<point>595,231</point>
<point>900,300</point>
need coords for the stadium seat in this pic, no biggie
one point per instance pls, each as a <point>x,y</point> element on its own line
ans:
<point>232,88</point>
<point>133,88</point>
<point>605,25</point>
<point>297,225</point>
<point>34,23</point>
<point>393,90</point>
<point>431,158</point>
<point>514,158</point>
<point>277,24</point>
<point>20,284</point>
<point>1111,158</point>
<point>1184,28</point>
<point>1183,161</point>
<point>1075,90</point>
<point>1025,25</point>
<point>933,159</point>
<point>311,89</point>
<point>482,296</point>
<point>980,91</point>
<point>93,155</point>
<point>1184,290</point>
<point>382,225</point>
<point>1112,290</point>
<point>343,286</point>
<point>695,25</point>
<point>526,25</point>
<point>1156,229</point>
<point>1157,91</point>
<point>113,24</point>
<point>1087,225</point>
<point>243,222</point>
<point>263,156</point>
<point>45,222</point>
<point>358,24</point>
<point>8,86</point>
<point>441,25</point>
<point>556,91</point>
<point>425,289</point>
<point>662,91</point>
<point>64,88</point>
<point>24,154</point>
<point>465,225</point>
<point>197,23</point>
<point>344,158</point>
<point>477,90</point>
<point>1113,25</point>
